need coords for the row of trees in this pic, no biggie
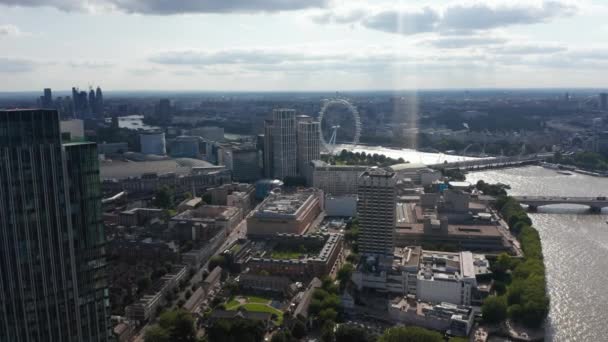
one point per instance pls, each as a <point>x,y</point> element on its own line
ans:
<point>173,326</point>
<point>351,235</point>
<point>584,160</point>
<point>361,158</point>
<point>324,308</point>
<point>521,283</point>
<point>236,330</point>
<point>350,333</point>
<point>492,189</point>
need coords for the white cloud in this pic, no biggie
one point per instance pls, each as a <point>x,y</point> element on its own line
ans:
<point>168,7</point>
<point>16,65</point>
<point>90,64</point>
<point>457,42</point>
<point>9,30</point>
<point>527,49</point>
<point>403,22</point>
<point>456,17</point>
<point>378,59</point>
<point>483,16</point>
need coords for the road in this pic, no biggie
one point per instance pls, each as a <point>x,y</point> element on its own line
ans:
<point>239,232</point>
<point>503,229</point>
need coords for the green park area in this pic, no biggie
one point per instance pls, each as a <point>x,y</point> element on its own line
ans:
<point>255,304</point>
<point>285,251</point>
<point>285,255</point>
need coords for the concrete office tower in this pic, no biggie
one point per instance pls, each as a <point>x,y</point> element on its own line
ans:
<point>153,143</point>
<point>309,144</point>
<point>53,284</point>
<point>376,207</point>
<point>245,165</point>
<point>284,145</point>
<point>186,147</point>
<point>604,101</point>
<point>268,157</point>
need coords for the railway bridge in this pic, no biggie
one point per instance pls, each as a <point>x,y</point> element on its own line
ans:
<point>493,162</point>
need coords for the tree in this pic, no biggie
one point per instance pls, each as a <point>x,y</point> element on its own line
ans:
<point>503,263</point>
<point>143,284</point>
<point>345,273</point>
<point>280,336</point>
<point>494,309</point>
<point>328,315</point>
<point>164,198</point>
<point>349,333</point>
<point>410,334</point>
<point>156,334</point>
<point>236,330</point>
<point>298,330</point>
<point>327,332</point>
<point>217,260</point>
<point>315,307</point>
<point>353,258</point>
<point>179,324</point>
<point>459,339</point>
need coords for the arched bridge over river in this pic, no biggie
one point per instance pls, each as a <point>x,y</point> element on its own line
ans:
<point>594,203</point>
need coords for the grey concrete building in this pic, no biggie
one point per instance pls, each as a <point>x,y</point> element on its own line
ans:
<point>376,208</point>
<point>309,144</point>
<point>284,144</point>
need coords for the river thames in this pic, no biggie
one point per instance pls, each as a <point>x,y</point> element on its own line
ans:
<point>575,247</point>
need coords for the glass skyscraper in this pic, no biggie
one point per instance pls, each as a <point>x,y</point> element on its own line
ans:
<point>53,283</point>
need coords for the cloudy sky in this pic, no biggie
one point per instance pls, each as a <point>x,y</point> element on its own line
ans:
<point>302,44</point>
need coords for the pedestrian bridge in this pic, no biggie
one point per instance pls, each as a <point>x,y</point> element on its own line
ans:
<point>594,203</point>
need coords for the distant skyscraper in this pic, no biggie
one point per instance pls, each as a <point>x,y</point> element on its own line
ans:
<point>164,110</point>
<point>98,109</point>
<point>604,101</point>
<point>92,101</point>
<point>268,157</point>
<point>376,190</point>
<point>47,99</point>
<point>81,103</point>
<point>284,143</point>
<point>153,143</point>
<point>309,144</point>
<point>74,92</point>
<point>53,284</point>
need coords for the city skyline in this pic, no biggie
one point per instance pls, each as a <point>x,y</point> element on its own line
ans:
<point>302,45</point>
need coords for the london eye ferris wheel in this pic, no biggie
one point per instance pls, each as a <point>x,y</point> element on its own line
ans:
<point>340,123</point>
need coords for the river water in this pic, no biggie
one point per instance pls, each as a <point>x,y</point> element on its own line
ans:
<point>575,247</point>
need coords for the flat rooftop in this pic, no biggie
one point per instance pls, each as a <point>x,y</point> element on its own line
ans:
<point>206,213</point>
<point>120,169</point>
<point>453,230</point>
<point>285,204</point>
<point>407,256</point>
<point>407,167</point>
